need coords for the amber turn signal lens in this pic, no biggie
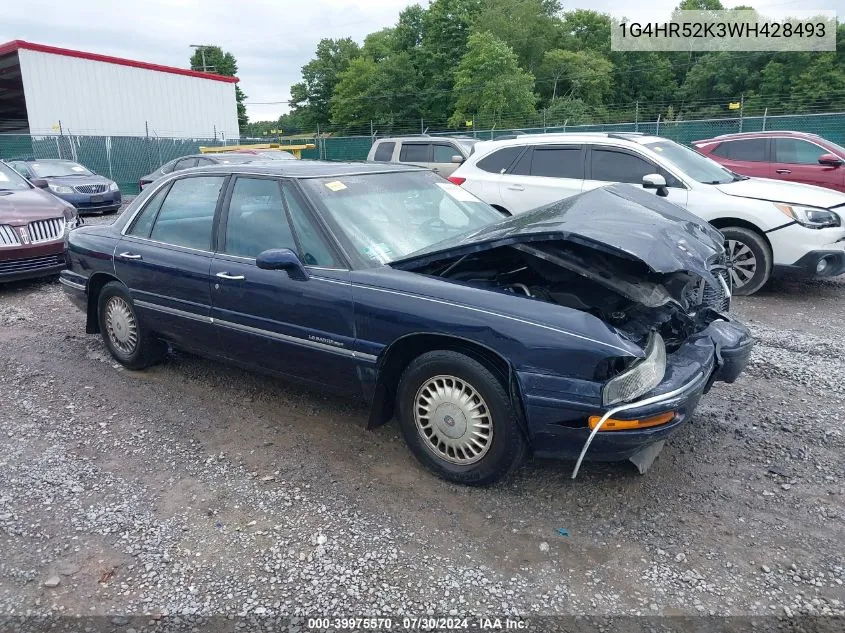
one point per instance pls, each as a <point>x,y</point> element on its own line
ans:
<point>612,424</point>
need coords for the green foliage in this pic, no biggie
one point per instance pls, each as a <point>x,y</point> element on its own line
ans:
<point>494,61</point>
<point>213,59</point>
<point>489,84</point>
<point>311,98</point>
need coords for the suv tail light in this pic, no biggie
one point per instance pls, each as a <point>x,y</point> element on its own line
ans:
<point>456,180</point>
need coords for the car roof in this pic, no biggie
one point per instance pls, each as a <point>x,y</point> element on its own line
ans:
<point>569,137</point>
<point>307,168</point>
<point>427,137</point>
<point>45,160</point>
<point>768,133</point>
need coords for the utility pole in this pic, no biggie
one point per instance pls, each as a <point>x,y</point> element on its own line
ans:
<point>201,48</point>
<point>741,108</point>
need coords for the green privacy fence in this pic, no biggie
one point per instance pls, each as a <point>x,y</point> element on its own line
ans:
<point>125,159</point>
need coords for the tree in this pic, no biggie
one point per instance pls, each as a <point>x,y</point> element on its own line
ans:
<point>446,27</point>
<point>489,84</point>
<point>582,75</point>
<point>584,29</point>
<point>311,98</point>
<point>527,26</point>
<point>213,59</point>
<point>384,91</point>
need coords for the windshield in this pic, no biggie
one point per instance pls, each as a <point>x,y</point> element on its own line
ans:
<point>53,168</point>
<point>10,180</point>
<point>388,216</point>
<point>693,164</point>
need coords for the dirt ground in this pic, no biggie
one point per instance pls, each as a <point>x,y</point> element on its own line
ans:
<point>195,488</point>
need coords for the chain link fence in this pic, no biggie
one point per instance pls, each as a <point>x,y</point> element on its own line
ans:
<point>125,159</point>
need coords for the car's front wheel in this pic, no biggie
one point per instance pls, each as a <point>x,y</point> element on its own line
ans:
<point>130,345</point>
<point>749,258</point>
<point>457,419</point>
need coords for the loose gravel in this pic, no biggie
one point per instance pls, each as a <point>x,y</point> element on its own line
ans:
<point>194,489</point>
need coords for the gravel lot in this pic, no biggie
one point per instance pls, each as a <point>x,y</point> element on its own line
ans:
<point>194,488</point>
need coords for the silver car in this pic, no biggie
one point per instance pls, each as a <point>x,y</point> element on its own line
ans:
<point>441,154</point>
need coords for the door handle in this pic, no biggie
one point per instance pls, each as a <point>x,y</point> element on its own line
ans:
<point>783,171</point>
<point>225,275</point>
<point>516,187</point>
<point>128,255</point>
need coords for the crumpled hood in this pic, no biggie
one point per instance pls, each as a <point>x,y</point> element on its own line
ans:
<point>22,207</point>
<point>619,219</point>
<point>783,191</point>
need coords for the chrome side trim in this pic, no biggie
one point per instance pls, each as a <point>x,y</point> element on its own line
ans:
<point>295,340</point>
<point>174,311</point>
<point>632,405</point>
<point>342,351</point>
<point>71,284</point>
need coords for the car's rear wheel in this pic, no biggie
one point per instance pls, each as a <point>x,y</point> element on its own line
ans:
<point>749,258</point>
<point>457,419</point>
<point>123,335</point>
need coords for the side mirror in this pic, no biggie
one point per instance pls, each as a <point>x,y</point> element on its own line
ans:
<point>457,159</point>
<point>656,181</point>
<point>39,182</point>
<point>831,160</point>
<point>282,259</point>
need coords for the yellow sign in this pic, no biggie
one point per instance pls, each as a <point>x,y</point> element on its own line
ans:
<point>734,105</point>
<point>56,127</point>
<point>469,123</point>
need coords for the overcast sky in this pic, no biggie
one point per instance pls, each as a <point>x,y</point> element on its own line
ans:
<point>271,39</point>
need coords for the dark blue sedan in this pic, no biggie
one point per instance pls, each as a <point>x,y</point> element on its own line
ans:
<point>73,183</point>
<point>587,328</point>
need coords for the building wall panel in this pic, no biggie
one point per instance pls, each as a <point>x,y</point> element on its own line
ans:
<point>98,98</point>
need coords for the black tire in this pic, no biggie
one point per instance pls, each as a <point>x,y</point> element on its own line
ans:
<point>506,447</point>
<point>146,350</point>
<point>761,252</point>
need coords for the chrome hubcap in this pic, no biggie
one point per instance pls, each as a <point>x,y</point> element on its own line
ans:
<point>743,263</point>
<point>453,420</point>
<point>121,327</point>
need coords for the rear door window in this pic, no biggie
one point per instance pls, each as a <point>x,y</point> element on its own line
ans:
<point>797,151</point>
<point>558,162</point>
<point>415,153</point>
<point>610,165</point>
<point>443,153</point>
<point>500,160</point>
<point>187,213</point>
<point>144,221</point>
<point>749,150</point>
<point>384,152</point>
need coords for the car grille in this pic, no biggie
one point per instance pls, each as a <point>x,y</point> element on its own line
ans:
<point>706,294</point>
<point>91,188</point>
<point>8,236</point>
<point>31,264</point>
<point>39,232</point>
<point>46,230</point>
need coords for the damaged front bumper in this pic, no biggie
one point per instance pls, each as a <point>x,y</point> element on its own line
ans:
<point>557,408</point>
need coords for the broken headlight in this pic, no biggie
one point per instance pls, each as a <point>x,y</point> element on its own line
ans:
<point>641,378</point>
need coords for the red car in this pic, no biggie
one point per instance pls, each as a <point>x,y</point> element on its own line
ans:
<point>795,156</point>
<point>33,225</point>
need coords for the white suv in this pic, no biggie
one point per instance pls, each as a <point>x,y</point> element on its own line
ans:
<point>770,227</point>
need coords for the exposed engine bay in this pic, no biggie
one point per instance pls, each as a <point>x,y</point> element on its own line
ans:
<point>623,292</point>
